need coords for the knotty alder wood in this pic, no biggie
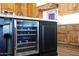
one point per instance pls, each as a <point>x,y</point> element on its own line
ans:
<point>8,6</point>
<point>0,8</point>
<point>68,8</point>
<point>67,50</point>
<point>68,34</point>
<point>20,9</point>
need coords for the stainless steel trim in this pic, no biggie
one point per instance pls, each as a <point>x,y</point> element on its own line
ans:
<point>15,36</point>
<point>26,43</point>
<point>26,53</point>
<point>26,47</point>
<point>37,25</point>
<point>38,36</point>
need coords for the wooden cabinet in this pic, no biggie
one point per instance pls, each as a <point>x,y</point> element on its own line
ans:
<point>68,8</point>
<point>29,9</point>
<point>61,34</point>
<point>0,8</point>
<point>20,9</point>
<point>68,34</point>
<point>8,6</point>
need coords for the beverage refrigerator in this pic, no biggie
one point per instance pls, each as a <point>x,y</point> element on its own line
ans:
<point>23,36</point>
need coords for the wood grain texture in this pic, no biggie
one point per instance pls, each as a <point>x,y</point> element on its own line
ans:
<point>68,8</point>
<point>8,6</point>
<point>0,8</point>
<point>68,50</point>
<point>48,6</point>
<point>68,34</point>
<point>20,9</point>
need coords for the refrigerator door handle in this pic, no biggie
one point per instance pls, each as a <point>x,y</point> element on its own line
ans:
<point>43,44</point>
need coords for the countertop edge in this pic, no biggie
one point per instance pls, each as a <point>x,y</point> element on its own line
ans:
<point>23,17</point>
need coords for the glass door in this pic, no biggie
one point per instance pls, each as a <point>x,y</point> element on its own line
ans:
<point>27,37</point>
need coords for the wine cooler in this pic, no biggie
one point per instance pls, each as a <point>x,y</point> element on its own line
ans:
<point>26,37</point>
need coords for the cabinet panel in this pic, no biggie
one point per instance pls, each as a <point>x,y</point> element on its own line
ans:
<point>48,36</point>
<point>8,6</point>
<point>70,35</point>
<point>20,9</point>
<point>68,8</point>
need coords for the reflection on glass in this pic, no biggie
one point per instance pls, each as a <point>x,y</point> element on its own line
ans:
<point>26,35</point>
